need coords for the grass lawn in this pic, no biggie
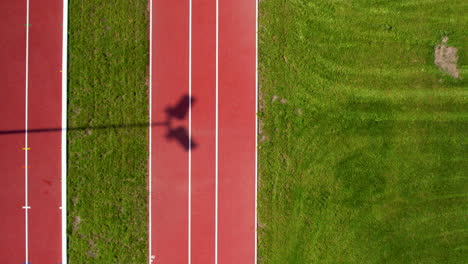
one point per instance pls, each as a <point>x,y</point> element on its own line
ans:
<point>107,171</point>
<point>363,152</point>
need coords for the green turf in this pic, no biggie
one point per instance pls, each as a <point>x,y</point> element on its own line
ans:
<point>107,171</point>
<point>374,170</point>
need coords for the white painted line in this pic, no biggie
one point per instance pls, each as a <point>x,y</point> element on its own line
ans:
<point>256,125</point>
<point>64,129</point>
<point>26,138</point>
<point>190,139</point>
<point>216,134</point>
<point>150,88</point>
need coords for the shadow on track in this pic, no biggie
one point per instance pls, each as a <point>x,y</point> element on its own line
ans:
<point>178,111</point>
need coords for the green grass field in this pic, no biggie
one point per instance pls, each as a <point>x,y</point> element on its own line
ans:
<point>363,153</point>
<point>107,171</point>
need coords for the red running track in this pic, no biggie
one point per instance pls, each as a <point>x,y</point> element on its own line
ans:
<point>31,49</point>
<point>203,160</point>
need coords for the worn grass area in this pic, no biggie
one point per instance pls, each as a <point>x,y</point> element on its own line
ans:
<point>366,160</point>
<point>108,56</point>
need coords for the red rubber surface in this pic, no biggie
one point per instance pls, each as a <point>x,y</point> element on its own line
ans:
<point>203,130</point>
<point>45,97</point>
<point>44,156</point>
<point>12,93</point>
<point>170,160</point>
<point>237,104</point>
<point>177,235</point>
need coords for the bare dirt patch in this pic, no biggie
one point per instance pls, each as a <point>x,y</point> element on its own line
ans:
<point>446,58</point>
<point>92,252</point>
<point>282,100</point>
<point>261,225</point>
<point>74,200</point>
<point>76,223</point>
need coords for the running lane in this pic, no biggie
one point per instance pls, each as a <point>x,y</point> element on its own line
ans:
<point>237,132</point>
<point>203,127</point>
<point>203,150</point>
<point>30,132</point>
<point>45,93</point>
<point>12,109</point>
<point>169,142</point>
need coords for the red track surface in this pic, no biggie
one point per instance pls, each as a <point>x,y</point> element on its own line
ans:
<point>12,93</point>
<point>169,160</point>
<point>44,157</point>
<point>203,198</point>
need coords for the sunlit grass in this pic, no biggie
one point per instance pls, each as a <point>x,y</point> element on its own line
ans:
<point>107,168</point>
<point>366,159</point>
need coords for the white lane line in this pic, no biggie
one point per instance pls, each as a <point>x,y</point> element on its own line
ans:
<point>190,139</point>
<point>256,125</point>
<point>216,134</point>
<point>64,130</point>
<point>26,139</point>
<point>150,176</point>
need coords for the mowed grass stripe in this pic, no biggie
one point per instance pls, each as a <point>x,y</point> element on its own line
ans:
<point>363,149</point>
<point>107,168</point>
